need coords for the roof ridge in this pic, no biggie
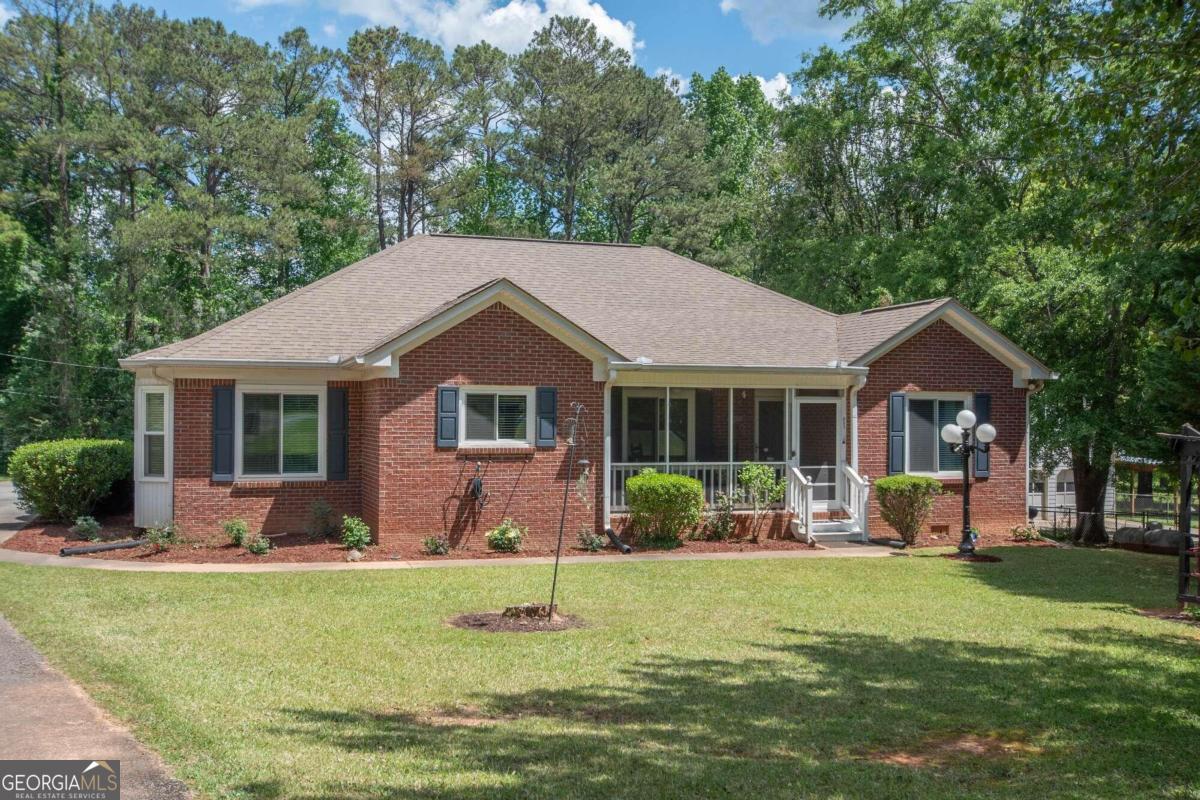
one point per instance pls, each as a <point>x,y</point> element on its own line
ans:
<point>278,301</point>
<point>894,306</point>
<point>745,281</point>
<point>527,239</point>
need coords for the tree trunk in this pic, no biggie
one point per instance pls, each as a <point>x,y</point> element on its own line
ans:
<point>382,224</point>
<point>1091,483</point>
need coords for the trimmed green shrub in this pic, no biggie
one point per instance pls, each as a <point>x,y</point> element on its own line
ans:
<point>356,534</point>
<point>258,545</point>
<point>663,506</point>
<point>590,540</point>
<point>436,545</point>
<point>162,537</point>
<point>322,522</point>
<point>64,479</point>
<point>237,530</point>
<point>905,502</point>
<point>506,537</point>
<point>87,527</point>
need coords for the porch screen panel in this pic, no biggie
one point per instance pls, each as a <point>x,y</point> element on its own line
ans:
<point>677,430</point>
<point>260,434</point>
<point>948,460</point>
<point>642,428</point>
<point>922,436</point>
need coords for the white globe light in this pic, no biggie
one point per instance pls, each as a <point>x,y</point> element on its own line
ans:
<point>985,433</point>
<point>952,434</point>
<point>965,418</point>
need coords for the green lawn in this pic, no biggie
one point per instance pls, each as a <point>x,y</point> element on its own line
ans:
<point>695,679</point>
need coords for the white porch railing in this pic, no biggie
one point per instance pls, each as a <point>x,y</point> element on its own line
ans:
<point>800,501</point>
<point>858,491</point>
<point>717,477</point>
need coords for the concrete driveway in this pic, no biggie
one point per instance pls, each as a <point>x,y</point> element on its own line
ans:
<point>12,519</point>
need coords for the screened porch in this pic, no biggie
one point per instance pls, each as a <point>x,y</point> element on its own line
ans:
<point>709,433</point>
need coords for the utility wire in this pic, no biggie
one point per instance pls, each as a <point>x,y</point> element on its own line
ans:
<point>56,397</point>
<point>61,363</point>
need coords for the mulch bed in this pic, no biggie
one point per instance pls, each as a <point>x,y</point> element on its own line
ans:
<point>1170,614</point>
<point>497,622</point>
<point>299,548</point>
<point>978,558</point>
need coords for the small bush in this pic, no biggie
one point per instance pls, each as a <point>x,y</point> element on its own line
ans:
<point>721,523</point>
<point>64,479</point>
<point>762,487</point>
<point>1025,533</point>
<point>435,545</point>
<point>162,537</point>
<point>905,502</point>
<point>87,527</point>
<point>590,540</point>
<point>237,530</point>
<point>663,506</point>
<point>322,522</point>
<point>356,534</point>
<point>258,544</point>
<point>506,537</point>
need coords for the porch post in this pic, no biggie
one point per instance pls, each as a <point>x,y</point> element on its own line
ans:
<point>667,432</point>
<point>788,395</point>
<point>729,449</point>
<point>608,468</point>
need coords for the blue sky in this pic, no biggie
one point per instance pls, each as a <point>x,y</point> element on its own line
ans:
<point>762,37</point>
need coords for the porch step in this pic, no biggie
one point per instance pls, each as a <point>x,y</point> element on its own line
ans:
<point>834,530</point>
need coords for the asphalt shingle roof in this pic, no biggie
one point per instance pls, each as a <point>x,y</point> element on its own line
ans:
<point>640,301</point>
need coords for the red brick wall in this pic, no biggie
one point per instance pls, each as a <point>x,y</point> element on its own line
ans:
<point>413,489</point>
<point>940,358</point>
<point>201,504</point>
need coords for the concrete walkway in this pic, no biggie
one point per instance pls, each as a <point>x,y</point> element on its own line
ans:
<point>46,716</point>
<point>840,550</point>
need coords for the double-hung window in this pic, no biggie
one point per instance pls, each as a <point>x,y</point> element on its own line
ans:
<point>927,453</point>
<point>495,416</point>
<point>280,432</point>
<point>154,433</point>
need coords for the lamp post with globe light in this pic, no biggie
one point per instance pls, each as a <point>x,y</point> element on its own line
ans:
<point>966,439</point>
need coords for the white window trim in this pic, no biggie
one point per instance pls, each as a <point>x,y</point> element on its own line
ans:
<point>661,394</point>
<point>968,402</point>
<point>320,390</point>
<point>530,416</point>
<point>139,452</point>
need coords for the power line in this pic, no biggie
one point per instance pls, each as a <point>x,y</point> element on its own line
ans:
<point>61,363</point>
<point>56,397</point>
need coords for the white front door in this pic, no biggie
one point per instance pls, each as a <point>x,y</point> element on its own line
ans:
<point>817,444</point>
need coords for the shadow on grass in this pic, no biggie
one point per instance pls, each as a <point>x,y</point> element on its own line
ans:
<point>1104,713</point>
<point>1117,578</point>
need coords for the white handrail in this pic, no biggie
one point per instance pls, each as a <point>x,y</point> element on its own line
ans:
<point>800,500</point>
<point>858,491</point>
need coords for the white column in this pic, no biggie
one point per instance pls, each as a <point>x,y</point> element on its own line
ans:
<point>607,472</point>
<point>667,431</point>
<point>729,450</point>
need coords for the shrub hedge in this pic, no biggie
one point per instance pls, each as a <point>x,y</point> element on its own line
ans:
<point>64,479</point>
<point>905,502</point>
<point>663,506</point>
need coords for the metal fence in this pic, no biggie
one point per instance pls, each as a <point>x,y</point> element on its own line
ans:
<point>1059,520</point>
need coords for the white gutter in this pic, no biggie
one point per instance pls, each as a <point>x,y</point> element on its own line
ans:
<point>653,365</point>
<point>167,361</point>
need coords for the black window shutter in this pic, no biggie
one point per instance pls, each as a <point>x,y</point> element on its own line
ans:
<point>222,433</point>
<point>983,413</point>
<point>447,416</point>
<point>896,433</point>
<point>547,416</point>
<point>337,433</point>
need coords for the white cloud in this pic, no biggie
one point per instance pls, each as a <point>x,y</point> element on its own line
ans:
<point>777,89</point>
<point>329,29</point>
<point>508,24</point>
<point>768,20</point>
<point>671,75</point>
<point>5,15</point>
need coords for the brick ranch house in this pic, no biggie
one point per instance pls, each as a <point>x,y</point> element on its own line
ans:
<point>386,387</point>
